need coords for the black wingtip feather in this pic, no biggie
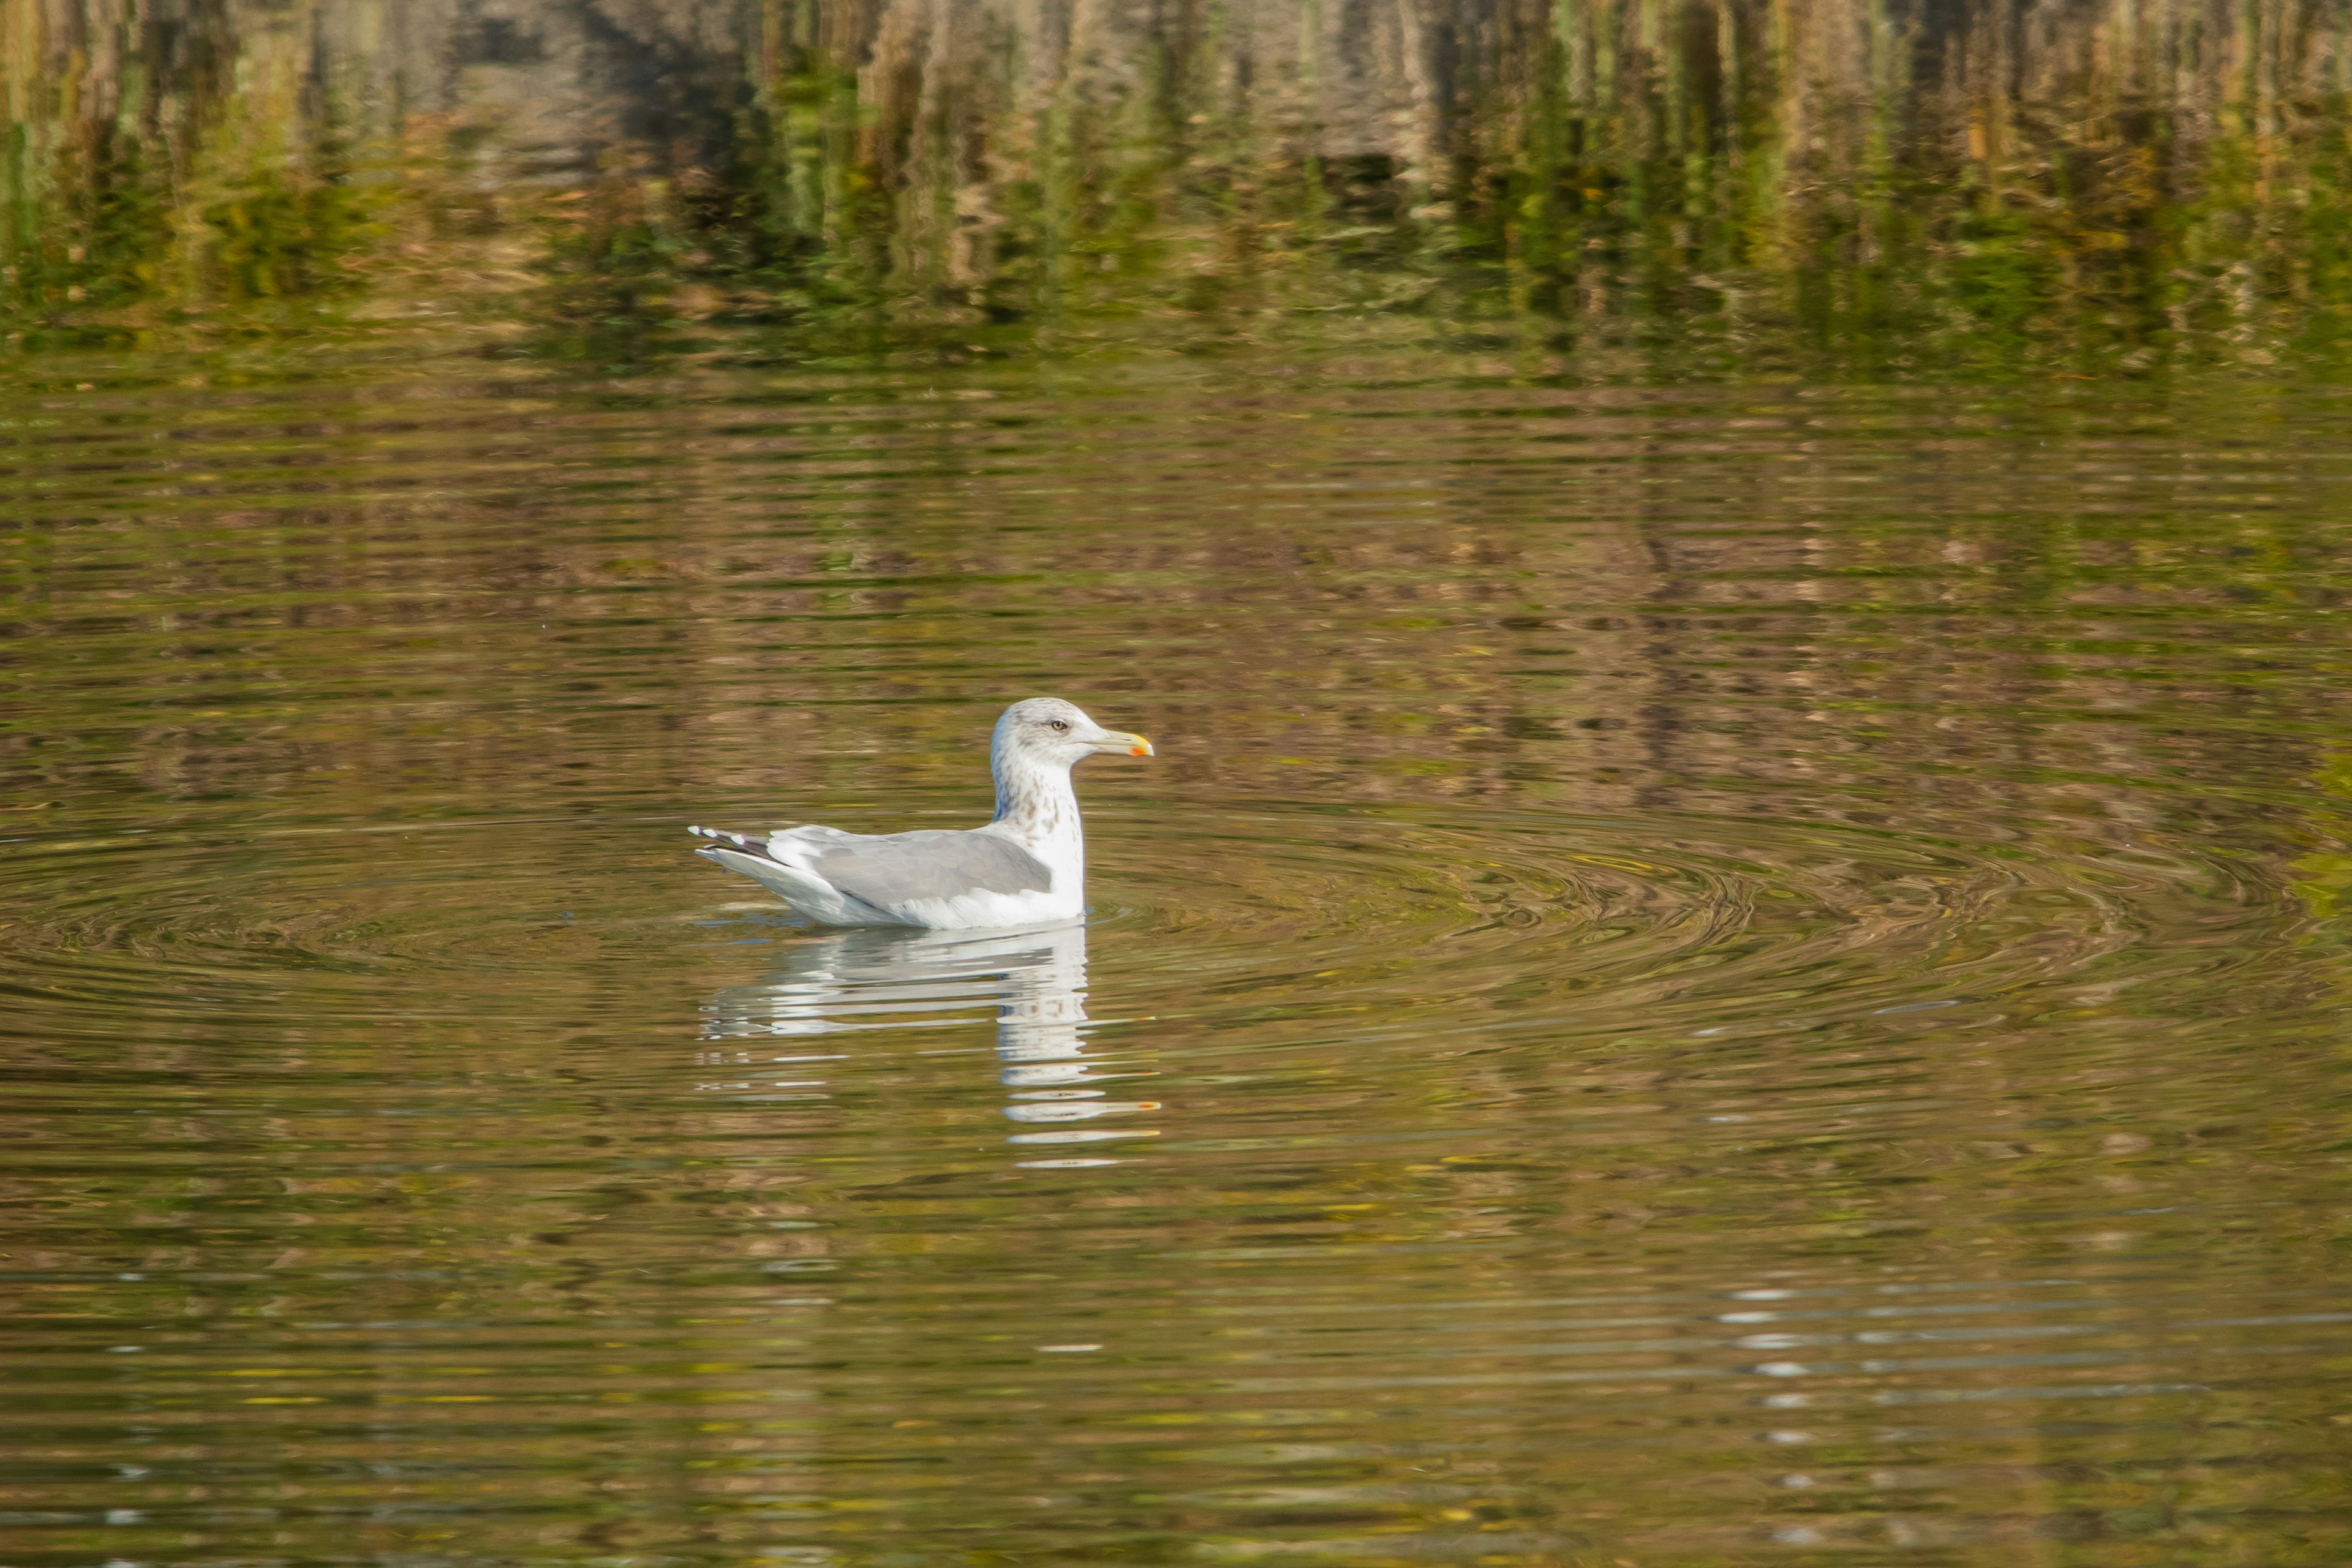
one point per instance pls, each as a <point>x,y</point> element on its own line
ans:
<point>733,844</point>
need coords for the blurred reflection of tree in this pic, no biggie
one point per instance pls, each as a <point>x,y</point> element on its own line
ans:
<point>1847,176</point>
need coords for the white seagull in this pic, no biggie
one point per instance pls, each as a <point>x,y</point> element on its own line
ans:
<point>1028,867</point>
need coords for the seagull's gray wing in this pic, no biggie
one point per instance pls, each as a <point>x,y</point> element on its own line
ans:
<point>892,870</point>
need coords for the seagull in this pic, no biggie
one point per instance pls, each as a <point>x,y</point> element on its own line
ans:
<point>1027,867</point>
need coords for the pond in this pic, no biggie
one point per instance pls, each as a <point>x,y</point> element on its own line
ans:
<point>1704,973</point>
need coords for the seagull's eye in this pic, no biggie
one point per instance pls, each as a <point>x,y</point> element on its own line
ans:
<point>1059,725</point>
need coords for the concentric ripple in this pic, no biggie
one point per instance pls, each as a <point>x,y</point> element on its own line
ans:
<point>1328,908</point>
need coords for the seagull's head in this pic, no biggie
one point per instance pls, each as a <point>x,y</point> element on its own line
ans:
<point>1046,731</point>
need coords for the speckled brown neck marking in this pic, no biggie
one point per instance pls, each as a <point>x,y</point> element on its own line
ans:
<point>1036,801</point>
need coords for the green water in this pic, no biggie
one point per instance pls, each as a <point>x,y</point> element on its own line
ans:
<point>1705,975</point>
<point>1737,950</point>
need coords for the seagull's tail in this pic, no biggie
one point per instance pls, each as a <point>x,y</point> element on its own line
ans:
<point>805,891</point>
<point>742,841</point>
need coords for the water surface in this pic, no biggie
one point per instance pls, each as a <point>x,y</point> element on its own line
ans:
<point>1705,976</point>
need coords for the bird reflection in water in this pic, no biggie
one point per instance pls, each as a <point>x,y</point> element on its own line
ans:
<point>863,979</point>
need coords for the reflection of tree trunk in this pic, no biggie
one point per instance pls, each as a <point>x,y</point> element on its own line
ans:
<point>984,156</point>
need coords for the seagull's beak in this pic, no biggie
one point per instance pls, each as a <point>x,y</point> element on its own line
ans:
<point>1111,741</point>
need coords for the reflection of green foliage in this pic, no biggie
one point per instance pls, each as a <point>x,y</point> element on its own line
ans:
<point>1997,278</point>
<point>88,218</point>
<point>1698,180</point>
<point>189,195</point>
<point>2324,885</point>
<point>284,228</point>
<point>2324,879</point>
